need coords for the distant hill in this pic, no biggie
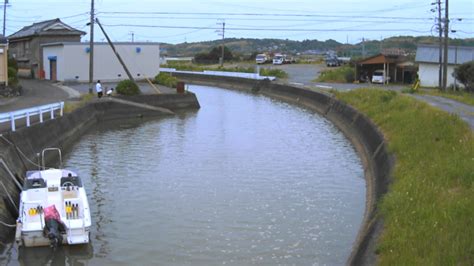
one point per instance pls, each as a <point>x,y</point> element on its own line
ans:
<point>246,46</point>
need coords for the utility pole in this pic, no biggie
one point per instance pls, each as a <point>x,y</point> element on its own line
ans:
<point>133,36</point>
<point>117,54</point>
<point>91,51</point>
<point>440,32</point>
<point>222,45</point>
<point>4,15</point>
<point>363,47</point>
<point>446,38</point>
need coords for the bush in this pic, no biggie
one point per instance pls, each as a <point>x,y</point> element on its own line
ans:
<point>342,74</point>
<point>273,72</point>
<point>12,63</point>
<point>465,74</point>
<point>166,79</point>
<point>12,77</point>
<point>127,87</point>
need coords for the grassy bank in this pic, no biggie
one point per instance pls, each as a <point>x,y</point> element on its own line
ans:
<point>338,75</point>
<point>429,210</point>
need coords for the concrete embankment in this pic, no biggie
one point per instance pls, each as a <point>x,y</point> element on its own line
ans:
<point>18,150</point>
<point>364,135</point>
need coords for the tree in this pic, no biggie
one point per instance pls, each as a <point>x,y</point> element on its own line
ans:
<point>465,74</point>
<point>213,56</point>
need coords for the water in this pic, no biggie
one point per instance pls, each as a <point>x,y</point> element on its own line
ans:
<point>245,180</point>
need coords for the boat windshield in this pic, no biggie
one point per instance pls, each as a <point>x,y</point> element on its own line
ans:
<point>71,180</point>
<point>34,183</point>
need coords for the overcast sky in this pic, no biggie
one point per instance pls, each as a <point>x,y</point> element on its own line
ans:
<point>179,21</point>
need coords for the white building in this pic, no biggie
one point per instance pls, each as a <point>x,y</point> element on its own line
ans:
<point>427,56</point>
<point>67,61</point>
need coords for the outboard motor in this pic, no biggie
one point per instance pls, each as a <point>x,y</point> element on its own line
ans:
<point>53,227</point>
<point>53,232</point>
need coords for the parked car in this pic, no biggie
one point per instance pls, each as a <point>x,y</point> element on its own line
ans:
<point>278,59</point>
<point>332,62</point>
<point>379,77</point>
<point>261,59</point>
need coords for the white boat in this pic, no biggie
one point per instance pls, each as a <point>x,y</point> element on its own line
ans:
<point>53,208</point>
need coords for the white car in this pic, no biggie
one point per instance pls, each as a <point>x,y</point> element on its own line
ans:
<point>378,77</point>
<point>278,59</point>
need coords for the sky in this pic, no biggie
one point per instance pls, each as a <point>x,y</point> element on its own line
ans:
<point>180,21</point>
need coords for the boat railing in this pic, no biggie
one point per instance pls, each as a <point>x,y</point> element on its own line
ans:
<point>30,112</point>
<point>43,163</point>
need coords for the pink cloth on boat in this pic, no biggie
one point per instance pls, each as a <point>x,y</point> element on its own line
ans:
<point>51,212</point>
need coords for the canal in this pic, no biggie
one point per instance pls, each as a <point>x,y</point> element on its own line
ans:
<point>245,180</point>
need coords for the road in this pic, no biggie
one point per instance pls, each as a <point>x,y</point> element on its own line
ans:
<point>34,93</point>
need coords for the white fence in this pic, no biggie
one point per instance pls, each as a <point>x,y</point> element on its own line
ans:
<point>29,112</point>
<point>220,73</point>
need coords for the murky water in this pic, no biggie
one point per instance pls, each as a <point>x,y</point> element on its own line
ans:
<point>245,180</point>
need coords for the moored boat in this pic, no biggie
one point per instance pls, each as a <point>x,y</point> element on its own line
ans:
<point>53,209</point>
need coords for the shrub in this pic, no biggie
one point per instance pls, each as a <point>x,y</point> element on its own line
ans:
<point>12,63</point>
<point>166,79</point>
<point>12,76</point>
<point>465,74</point>
<point>127,87</point>
<point>273,72</point>
<point>342,74</point>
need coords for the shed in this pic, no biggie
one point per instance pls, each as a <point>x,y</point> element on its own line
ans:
<point>397,67</point>
<point>427,57</point>
<point>69,61</point>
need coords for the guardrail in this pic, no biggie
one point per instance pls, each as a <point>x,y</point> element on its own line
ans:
<point>29,112</point>
<point>220,73</point>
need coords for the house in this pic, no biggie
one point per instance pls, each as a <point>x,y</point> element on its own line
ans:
<point>396,68</point>
<point>3,62</point>
<point>69,61</point>
<point>25,44</point>
<point>427,56</point>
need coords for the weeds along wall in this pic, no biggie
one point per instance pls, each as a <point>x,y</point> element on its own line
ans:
<point>364,135</point>
<point>19,149</point>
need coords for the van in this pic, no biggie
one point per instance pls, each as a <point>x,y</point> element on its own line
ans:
<point>378,77</point>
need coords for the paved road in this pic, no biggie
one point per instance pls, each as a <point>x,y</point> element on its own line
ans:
<point>35,92</point>
<point>144,87</point>
<point>304,74</point>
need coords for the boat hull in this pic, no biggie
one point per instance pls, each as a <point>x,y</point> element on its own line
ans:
<point>37,239</point>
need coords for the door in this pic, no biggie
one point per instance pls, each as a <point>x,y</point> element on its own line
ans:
<point>52,70</point>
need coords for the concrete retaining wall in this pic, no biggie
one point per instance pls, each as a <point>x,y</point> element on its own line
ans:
<point>364,135</point>
<point>18,149</point>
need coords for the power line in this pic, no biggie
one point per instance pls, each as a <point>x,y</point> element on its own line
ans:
<point>258,14</point>
<point>257,29</point>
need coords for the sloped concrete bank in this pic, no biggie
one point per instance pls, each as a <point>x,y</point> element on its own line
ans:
<point>364,135</point>
<point>18,150</point>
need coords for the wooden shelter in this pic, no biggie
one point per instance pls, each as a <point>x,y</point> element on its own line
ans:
<point>396,67</point>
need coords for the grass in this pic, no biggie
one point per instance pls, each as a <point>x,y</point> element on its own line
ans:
<point>429,210</point>
<point>460,96</point>
<point>71,106</point>
<point>338,75</point>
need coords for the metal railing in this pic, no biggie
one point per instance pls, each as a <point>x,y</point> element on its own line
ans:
<point>255,76</point>
<point>29,112</point>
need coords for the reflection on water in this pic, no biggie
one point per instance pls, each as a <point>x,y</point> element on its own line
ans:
<point>245,180</point>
